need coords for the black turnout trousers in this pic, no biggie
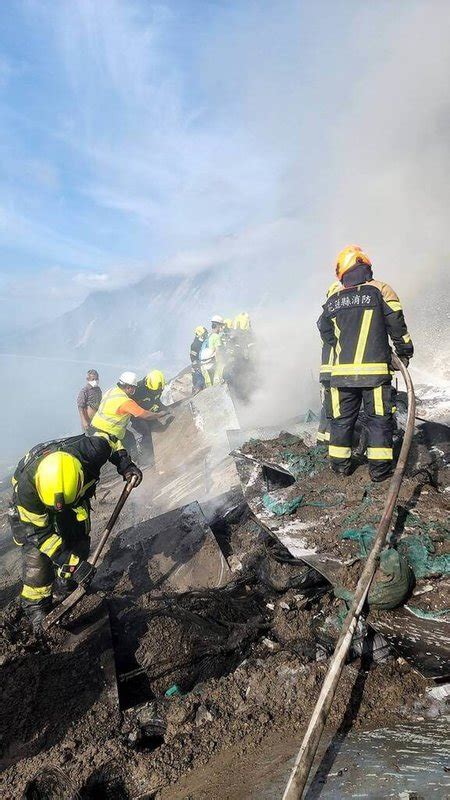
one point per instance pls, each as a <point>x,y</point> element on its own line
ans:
<point>345,404</point>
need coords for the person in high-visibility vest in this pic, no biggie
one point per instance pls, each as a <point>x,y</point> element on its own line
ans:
<point>118,407</point>
<point>210,371</point>
<point>200,337</point>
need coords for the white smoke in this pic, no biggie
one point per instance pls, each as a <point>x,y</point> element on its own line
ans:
<point>313,125</point>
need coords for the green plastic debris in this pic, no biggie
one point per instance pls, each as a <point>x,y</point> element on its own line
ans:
<point>364,536</point>
<point>280,507</point>
<point>437,615</point>
<point>434,526</point>
<point>356,515</point>
<point>314,460</point>
<point>172,690</point>
<point>418,549</point>
<point>390,591</point>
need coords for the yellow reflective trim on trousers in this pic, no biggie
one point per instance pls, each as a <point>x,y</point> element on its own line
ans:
<point>36,593</point>
<point>335,404</point>
<point>379,453</point>
<point>50,546</point>
<point>378,400</point>
<point>360,369</point>
<point>337,334</point>
<point>325,368</point>
<point>334,451</point>
<point>39,520</point>
<point>323,437</point>
<point>395,305</point>
<point>406,338</point>
<point>363,335</point>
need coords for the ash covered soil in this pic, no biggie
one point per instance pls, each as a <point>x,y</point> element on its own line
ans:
<point>244,658</point>
<point>243,664</point>
<point>329,504</point>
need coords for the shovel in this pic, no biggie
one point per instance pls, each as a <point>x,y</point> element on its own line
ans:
<point>73,598</point>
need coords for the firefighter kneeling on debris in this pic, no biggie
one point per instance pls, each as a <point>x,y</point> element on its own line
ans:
<point>356,322</point>
<point>50,514</point>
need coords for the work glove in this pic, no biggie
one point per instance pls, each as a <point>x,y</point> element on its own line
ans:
<point>403,359</point>
<point>133,471</point>
<point>83,573</point>
<point>167,419</point>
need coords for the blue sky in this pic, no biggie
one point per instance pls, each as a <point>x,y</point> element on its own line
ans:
<point>138,135</point>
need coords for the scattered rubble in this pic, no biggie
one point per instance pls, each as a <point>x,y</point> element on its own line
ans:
<point>175,662</point>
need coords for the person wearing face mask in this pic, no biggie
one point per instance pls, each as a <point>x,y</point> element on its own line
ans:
<point>89,399</point>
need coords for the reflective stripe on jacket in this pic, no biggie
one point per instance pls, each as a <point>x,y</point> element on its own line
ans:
<point>358,322</point>
<point>108,417</point>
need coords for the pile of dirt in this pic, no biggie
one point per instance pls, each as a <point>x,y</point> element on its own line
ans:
<point>242,662</point>
<point>275,450</point>
<point>432,597</point>
<point>260,678</point>
<point>328,506</point>
<point>263,696</point>
<point>56,708</point>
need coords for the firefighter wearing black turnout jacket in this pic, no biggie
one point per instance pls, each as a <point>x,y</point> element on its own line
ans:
<point>358,321</point>
<point>50,513</point>
<point>148,396</point>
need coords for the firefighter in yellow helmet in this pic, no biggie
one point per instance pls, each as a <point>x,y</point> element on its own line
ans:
<point>358,322</point>
<point>323,433</point>
<point>50,514</point>
<point>148,396</point>
<point>242,322</point>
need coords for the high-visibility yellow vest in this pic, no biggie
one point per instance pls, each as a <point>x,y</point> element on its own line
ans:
<point>107,418</point>
<point>207,376</point>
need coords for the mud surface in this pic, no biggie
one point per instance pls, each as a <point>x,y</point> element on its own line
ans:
<point>222,671</point>
<point>243,659</point>
<point>322,506</point>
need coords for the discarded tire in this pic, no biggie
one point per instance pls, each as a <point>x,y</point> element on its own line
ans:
<point>50,783</point>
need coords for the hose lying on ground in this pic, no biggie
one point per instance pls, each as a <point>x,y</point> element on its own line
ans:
<point>303,763</point>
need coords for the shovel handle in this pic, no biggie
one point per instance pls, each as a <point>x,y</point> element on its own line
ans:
<point>113,519</point>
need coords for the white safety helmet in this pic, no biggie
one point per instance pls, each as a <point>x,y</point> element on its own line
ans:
<point>128,378</point>
<point>217,318</point>
<point>207,356</point>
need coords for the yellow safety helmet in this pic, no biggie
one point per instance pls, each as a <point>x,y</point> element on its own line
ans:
<point>335,286</point>
<point>200,331</point>
<point>59,480</point>
<point>349,257</point>
<point>155,380</point>
<point>242,321</point>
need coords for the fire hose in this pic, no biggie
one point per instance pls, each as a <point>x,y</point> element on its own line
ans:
<point>305,758</point>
